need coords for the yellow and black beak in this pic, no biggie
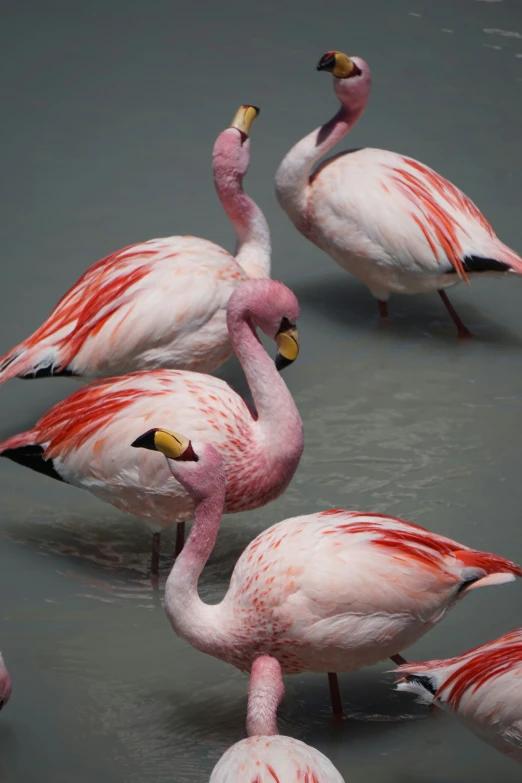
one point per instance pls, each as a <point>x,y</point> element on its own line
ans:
<point>168,443</point>
<point>339,64</point>
<point>243,119</point>
<point>287,340</point>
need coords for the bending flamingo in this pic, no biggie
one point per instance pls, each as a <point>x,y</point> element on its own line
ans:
<point>157,304</point>
<point>266,756</point>
<point>85,439</point>
<point>387,219</point>
<point>327,592</point>
<point>5,684</point>
<point>483,687</point>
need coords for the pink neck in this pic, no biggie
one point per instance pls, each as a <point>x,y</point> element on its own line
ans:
<point>277,414</point>
<point>190,618</point>
<point>293,175</point>
<point>230,161</point>
<point>265,693</point>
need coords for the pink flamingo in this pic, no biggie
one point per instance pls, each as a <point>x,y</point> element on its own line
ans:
<point>157,304</point>
<point>387,219</point>
<point>266,756</point>
<point>326,592</point>
<point>85,439</point>
<point>5,684</point>
<point>483,687</point>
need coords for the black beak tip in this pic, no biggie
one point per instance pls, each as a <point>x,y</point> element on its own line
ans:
<point>2,703</point>
<point>281,362</point>
<point>145,441</point>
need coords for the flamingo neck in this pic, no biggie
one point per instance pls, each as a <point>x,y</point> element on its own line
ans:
<point>253,249</point>
<point>278,419</point>
<point>262,712</point>
<point>293,175</point>
<point>196,622</point>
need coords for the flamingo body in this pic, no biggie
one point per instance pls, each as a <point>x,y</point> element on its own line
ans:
<point>266,756</point>
<point>5,684</point>
<point>156,304</point>
<point>86,439</point>
<point>483,687</point>
<point>335,591</point>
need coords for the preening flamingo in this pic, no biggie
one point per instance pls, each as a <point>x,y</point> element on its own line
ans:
<point>483,687</point>
<point>157,304</point>
<point>86,439</point>
<point>266,756</point>
<point>5,684</point>
<point>387,219</point>
<point>326,592</point>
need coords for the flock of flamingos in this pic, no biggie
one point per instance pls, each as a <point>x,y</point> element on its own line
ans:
<point>160,438</point>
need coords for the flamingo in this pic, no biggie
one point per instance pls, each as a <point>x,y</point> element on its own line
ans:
<point>387,219</point>
<point>156,304</point>
<point>5,684</point>
<point>483,687</point>
<point>85,439</point>
<point>326,592</point>
<point>266,756</point>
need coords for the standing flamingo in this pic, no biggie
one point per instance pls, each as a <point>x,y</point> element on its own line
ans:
<point>266,756</point>
<point>483,687</point>
<point>85,440</point>
<point>327,592</point>
<point>157,304</point>
<point>387,219</point>
<point>5,684</point>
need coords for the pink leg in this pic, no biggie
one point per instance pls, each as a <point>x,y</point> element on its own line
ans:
<point>180,538</point>
<point>462,330</point>
<point>335,693</point>
<point>383,308</point>
<point>154,565</point>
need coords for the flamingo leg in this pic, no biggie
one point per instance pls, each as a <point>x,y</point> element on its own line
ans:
<point>398,659</point>
<point>180,538</point>
<point>335,693</point>
<point>383,308</point>
<point>462,330</point>
<point>154,564</point>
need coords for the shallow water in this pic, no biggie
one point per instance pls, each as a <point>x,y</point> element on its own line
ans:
<point>109,112</point>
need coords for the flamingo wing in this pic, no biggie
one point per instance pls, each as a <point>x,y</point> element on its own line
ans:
<point>128,311</point>
<point>405,216</point>
<point>273,760</point>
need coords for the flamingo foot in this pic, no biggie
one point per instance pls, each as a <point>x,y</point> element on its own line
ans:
<point>335,694</point>
<point>154,563</point>
<point>383,308</point>
<point>180,538</point>
<point>462,330</point>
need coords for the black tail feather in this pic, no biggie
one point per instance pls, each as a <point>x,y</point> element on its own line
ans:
<point>32,457</point>
<point>479,264</point>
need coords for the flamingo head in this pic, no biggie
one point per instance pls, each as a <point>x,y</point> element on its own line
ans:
<point>352,77</point>
<point>198,467</point>
<point>5,684</point>
<point>231,155</point>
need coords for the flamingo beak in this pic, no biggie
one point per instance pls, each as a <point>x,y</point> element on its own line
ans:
<point>244,118</point>
<point>287,340</point>
<point>338,64</point>
<point>168,443</point>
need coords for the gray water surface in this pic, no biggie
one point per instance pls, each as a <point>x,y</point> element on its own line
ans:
<point>109,112</point>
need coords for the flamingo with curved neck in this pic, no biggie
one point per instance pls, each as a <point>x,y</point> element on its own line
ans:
<point>157,304</point>
<point>326,592</point>
<point>387,219</point>
<point>266,756</point>
<point>85,439</point>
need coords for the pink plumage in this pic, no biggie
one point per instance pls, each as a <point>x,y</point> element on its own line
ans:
<point>156,304</point>
<point>266,756</point>
<point>483,687</point>
<point>326,592</point>
<point>389,220</point>
<point>86,439</point>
